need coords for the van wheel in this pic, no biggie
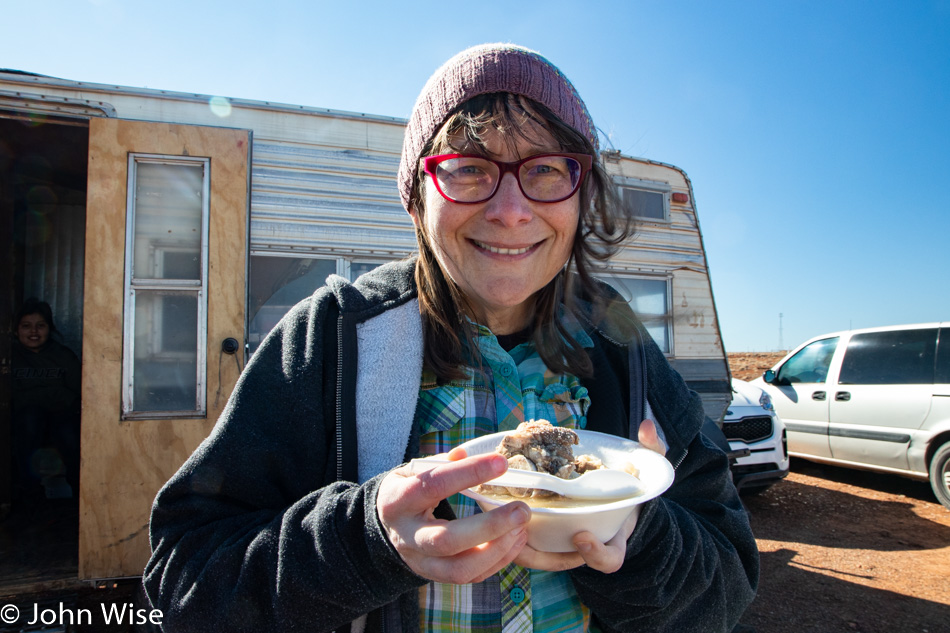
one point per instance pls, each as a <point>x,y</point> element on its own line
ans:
<point>940,474</point>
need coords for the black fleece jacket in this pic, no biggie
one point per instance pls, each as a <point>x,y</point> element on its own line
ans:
<point>49,379</point>
<point>264,528</point>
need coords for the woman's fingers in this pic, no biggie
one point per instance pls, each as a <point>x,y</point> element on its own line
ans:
<point>548,561</point>
<point>426,490</point>
<point>471,549</point>
<point>456,454</point>
<point>459,551</point>
<point>448,538</point>
<point>648,436</point>
<point>607,557</point>
<point>473,564</point>
<point>517,546</point>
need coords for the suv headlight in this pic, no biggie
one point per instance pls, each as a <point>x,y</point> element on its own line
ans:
<point>765,401</point>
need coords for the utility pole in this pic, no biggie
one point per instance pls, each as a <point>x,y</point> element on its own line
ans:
<point>781,343</point>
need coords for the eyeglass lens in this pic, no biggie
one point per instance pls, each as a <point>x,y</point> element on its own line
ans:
<point>542,178</point>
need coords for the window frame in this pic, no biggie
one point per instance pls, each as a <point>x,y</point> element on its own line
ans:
<point>343,262</point>
<point>942,361</point>
<point>614,277</point>
<point>879,353</point>
<point>134,284</point>
<point>817,348</point>
<point>650,186</point>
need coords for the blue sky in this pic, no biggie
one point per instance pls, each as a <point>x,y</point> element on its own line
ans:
<point>816,133</point>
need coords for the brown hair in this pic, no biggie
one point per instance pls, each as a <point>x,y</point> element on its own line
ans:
<point>601,228</point>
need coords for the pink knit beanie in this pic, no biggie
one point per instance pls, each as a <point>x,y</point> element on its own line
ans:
<point>480,70</point>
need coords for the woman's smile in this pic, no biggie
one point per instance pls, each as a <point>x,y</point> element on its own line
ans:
<point>505,250</point>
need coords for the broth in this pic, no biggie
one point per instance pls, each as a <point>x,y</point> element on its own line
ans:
<point>553,502</point>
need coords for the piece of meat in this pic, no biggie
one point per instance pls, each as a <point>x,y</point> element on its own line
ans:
<point>521,463</point>
<point>538,445</point>
<point>549,447</point>
<point>587,462</point>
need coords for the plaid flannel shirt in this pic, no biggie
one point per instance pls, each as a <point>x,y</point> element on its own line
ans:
<point>511,387</point>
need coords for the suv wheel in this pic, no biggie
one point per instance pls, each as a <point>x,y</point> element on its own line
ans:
<point>940,474</point>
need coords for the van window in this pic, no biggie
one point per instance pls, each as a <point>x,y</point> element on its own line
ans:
<point>943,357</point>
<point>897,357</point>
<point>809,364</point>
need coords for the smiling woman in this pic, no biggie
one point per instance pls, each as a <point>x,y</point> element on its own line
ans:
<point>301,507</point>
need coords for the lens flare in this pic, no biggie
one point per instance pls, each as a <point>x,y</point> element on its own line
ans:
<point>220,106</point>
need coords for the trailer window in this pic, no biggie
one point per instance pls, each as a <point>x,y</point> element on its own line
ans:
<point>166,273</point>
<point>650,300</point>
<point>278,282</point>
<point>645,199</point>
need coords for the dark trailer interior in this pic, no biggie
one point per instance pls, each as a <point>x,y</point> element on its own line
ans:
<point>43,164</point>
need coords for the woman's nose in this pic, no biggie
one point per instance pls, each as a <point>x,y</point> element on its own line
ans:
<point>508,206</point>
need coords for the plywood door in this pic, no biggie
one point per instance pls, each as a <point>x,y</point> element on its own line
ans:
<point>125,462</point>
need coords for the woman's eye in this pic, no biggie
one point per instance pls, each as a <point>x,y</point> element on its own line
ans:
<point>466,169</point>
<point>549,169</point>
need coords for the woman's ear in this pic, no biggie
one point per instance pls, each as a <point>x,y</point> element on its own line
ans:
<point>415,211</point>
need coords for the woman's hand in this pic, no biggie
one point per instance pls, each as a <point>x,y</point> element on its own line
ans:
<point>461,551</point>
<point>606,557</point>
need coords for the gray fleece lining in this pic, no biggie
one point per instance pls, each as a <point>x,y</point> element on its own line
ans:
<point>387,387</point>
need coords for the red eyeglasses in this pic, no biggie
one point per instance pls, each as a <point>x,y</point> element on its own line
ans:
<point>472,179</point>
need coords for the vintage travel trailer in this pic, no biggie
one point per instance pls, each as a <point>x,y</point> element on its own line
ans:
<point>171,231</point>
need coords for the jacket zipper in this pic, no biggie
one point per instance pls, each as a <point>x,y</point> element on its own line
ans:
<point>339,398</point>
<point>682,457</point>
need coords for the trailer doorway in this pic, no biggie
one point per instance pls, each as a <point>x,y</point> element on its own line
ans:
<point>43,166</point>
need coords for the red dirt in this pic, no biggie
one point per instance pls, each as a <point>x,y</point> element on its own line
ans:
<point>749,366</point>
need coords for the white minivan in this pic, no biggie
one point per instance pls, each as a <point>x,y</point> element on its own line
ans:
<point>876,398</point>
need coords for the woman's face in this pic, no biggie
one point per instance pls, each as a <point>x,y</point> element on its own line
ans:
<point>33,332</point>
<point>502,251</point>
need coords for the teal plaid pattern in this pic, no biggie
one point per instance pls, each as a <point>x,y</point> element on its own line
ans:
<point>515,588</point>
<point>509,388</point>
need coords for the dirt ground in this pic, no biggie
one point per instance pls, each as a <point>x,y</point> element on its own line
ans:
<point>847,550</point>
<point>750,365</point>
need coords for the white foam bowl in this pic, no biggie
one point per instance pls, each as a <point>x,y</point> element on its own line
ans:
<point>553,529</point>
